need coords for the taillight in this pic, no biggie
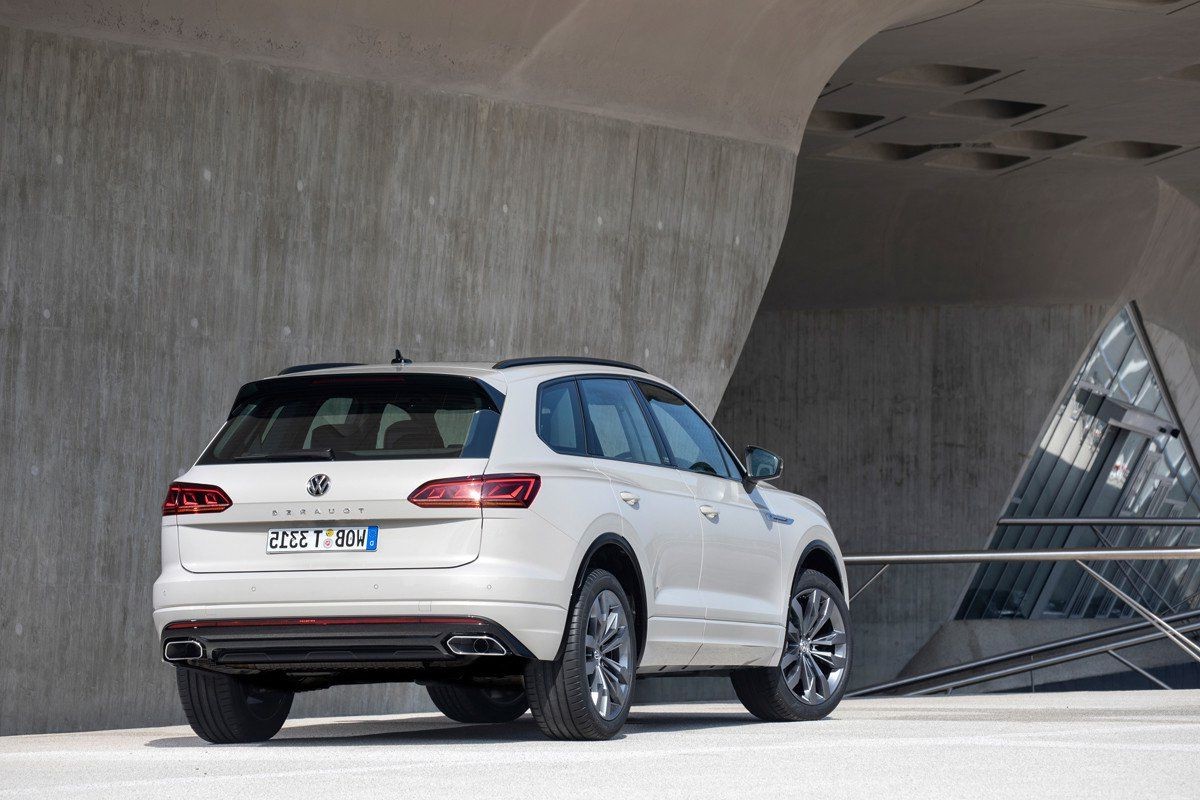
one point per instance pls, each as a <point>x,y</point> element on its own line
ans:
<point>195,498</point>
<point>478,491</point>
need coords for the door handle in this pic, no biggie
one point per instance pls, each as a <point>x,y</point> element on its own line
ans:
<point>630,498</point>
<point>709,512</point>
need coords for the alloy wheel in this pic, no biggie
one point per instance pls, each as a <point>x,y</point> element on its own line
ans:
<point>607,655</point>
<point>814,654</point>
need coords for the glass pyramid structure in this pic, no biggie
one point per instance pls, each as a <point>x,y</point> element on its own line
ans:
<point>1111,448</point>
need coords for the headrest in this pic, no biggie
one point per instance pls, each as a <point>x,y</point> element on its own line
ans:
<point>420,432</point>
<point>328,437</point>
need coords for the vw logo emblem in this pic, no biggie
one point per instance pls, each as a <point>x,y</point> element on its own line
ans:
<point>318,485</point>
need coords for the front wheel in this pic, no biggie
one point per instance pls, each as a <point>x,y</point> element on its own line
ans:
<point>810,679</point>
<point>478,704</point>
<point>223,709</point>
<point>586,692</point>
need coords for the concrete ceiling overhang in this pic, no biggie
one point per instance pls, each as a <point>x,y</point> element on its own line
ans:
<point>1009,85</point>
<point>1020,77</point>
<point>1011,152</point>
<point>1008,135</point>
<point>747,69</point>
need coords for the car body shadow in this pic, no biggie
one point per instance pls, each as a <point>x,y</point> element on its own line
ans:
<point>437,730</point>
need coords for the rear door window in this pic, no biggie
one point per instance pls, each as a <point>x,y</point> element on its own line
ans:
<point>615,424</point>
<point>358,417</point>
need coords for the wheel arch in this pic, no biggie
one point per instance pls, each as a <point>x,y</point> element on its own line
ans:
<point>819,557</point>
<point>613,552</point>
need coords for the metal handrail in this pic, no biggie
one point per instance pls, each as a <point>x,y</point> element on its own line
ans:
<point>1032,650</point>
<point>1144,673</point>
<point>1121,522</point>
<point>1101,649</point>
<point>1184,643</point>
<point>1072,554</point>
<point>1132,572</point>
<point>1078,555</point>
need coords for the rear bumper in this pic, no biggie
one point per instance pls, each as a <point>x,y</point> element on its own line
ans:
<point>519,602</point>
<point>521,581</point>
<point>331,644</point>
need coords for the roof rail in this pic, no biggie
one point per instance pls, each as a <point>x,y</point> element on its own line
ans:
<point>310,367</point>
<point>598,362</point>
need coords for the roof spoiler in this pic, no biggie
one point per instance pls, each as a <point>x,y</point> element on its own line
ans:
<point>310,367</point>
<point>536,360</point>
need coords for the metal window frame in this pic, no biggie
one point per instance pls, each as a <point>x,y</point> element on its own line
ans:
<point>974,584</point>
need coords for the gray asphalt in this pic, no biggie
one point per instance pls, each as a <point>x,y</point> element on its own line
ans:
<point>1127,745</point>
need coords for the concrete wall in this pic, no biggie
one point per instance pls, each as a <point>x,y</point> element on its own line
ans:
<point>173,224</point>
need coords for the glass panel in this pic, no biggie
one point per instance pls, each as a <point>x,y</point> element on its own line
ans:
<point>355,417</point>
<point>559,423</point>
<point>616,426</point>
<point>1089,464</point>
<point>690,440</point>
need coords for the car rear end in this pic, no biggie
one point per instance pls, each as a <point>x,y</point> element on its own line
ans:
<point>334,531</point>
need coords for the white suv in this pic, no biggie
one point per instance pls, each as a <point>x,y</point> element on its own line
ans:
<point>536,534</point>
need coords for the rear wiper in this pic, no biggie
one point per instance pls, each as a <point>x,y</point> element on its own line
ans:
<point>290,455</point>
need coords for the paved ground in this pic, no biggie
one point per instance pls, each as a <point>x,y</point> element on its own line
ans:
<point>1127,745</point>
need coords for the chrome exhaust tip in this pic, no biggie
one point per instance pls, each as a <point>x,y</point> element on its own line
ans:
<point>183,650</point>
<point>475,646</point>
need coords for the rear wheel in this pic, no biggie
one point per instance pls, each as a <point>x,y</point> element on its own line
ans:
<point>810,679</point>
<point>586,692</point>
<point>224,709</point>
<point>475,704</point>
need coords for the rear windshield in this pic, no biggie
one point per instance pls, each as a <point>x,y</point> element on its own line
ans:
<point>358,417</point>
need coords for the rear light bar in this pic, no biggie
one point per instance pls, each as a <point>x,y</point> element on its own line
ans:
<point>478,491</point>
<point>265,622</point>
<point>194,498</point>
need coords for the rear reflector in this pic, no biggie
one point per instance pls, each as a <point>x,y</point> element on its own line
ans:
<point>265,622</point>
<point>194,498</point>
<point>478,491</point>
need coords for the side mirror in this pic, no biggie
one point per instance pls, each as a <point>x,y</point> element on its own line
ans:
<point>763,465</point>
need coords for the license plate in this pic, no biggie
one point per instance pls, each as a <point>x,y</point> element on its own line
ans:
<point>323,540</point>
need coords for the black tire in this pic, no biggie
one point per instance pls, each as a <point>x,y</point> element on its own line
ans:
<point>223,709</point>
<point>764,691</point>
<point>558,691</point>
<point>476,704</point>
